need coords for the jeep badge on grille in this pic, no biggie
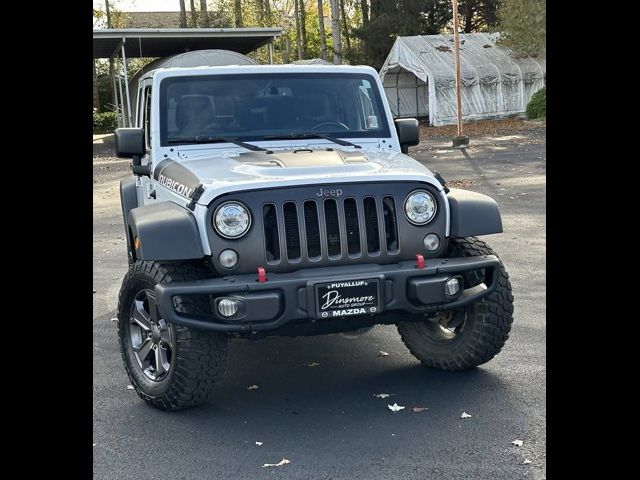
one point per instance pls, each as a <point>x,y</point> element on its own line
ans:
<point>325,192</point>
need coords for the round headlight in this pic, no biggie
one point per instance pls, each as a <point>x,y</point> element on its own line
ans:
<point>232,220</point>
<point>420,207</point>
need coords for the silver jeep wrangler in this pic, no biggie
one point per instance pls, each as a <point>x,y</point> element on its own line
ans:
<point>280,200</point>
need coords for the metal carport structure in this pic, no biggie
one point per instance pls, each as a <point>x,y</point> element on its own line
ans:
<point>122,44</point>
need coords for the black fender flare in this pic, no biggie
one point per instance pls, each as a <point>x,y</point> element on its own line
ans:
<point>164,231</point>
<point>128,201</point>
<point>472,214</point>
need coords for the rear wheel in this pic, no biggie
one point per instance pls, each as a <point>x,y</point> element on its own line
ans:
<point>470,336</point>
<point>170,366</point>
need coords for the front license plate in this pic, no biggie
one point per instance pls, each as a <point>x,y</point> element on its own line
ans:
<point>348,297</point>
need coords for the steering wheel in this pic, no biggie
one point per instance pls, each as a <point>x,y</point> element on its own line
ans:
<point>328,123</point>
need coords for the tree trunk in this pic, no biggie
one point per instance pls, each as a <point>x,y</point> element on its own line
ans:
<point>376,9</point>
<point>96,96</point>
<point>204,14</point>
<point>194,14</point>
<point>267,10</point>
<point>108,11</point>
<point>296,12</point>
<point>364,7</point>
<point>183,15</point>
<point>323,38</point>
<point>345,27</point>
<point>335,32</point>
<point>112,67</point>
<point>303,26</point>
<point>286,52</point>
<point>260,8</point>
<point>468,18</point>
<point>237,10</point>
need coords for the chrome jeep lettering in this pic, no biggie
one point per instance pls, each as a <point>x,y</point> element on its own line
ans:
<point>325,192</point>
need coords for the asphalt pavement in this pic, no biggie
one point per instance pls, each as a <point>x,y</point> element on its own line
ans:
<point>325,418</point>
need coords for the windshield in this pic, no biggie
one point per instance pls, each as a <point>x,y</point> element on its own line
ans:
<point>271,105</point>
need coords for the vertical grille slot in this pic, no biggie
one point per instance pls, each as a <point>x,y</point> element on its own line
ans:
<point>312,229</point>
<point>271,239</point>
<point>351,222</point>
<point>390,224</point>
<point>292,233</point>
<point>333,227</point>
<point>371,222</point>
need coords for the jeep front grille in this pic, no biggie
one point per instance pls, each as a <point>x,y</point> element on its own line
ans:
<point>330,228</point>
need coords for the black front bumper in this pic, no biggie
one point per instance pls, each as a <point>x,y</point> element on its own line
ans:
<point>290,297</point>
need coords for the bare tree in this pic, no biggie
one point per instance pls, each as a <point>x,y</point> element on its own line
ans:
<point>364,7</point>
<point>237,10</point>
<point>323,38</point>
<point>335,32</point>
<point>183,15</point>
<point>345,27</point>
<point>194,14</point>
<point>267,10</point>
<point>303,26</point>
<point>296,12</point>
<point>204,15</point>
<point>286,51</point>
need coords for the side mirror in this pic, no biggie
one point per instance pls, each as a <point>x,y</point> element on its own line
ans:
<point>408,133</point>
<point>129,142</point>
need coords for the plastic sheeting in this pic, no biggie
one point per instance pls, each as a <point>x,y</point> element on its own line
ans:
<point>419,78</point>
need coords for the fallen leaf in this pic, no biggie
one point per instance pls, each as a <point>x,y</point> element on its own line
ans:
<point>465,415</point>
<point>395,407</point>
<point>382,395</point>
<point>382,353</point>
<point>114,319</point>
<point>129,387</point>
<point>258,443</point>
<point>312,364</point>
<point>252,387</point>
<point>526,462</point>
<point>517,443</point>
<point>284,461</point>
<point>419,409</point>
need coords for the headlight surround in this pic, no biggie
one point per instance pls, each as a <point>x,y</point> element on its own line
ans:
<point>232,220</point>
<point>420,207</point>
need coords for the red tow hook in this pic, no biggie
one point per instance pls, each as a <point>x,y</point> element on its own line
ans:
<point>262,275</point>
<point>420,261</point>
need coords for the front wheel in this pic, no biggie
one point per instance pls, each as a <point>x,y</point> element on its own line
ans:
<point>468,337</point>
<point>170,366</point>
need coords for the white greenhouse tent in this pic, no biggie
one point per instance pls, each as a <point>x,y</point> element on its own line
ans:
<point>419,78</point>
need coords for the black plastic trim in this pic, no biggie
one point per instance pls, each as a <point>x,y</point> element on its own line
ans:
<point>166,231</point>
<point>296,296</point>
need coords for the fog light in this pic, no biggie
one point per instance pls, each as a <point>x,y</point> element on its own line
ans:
<point>228,258</point>
<point>228,307</point>
<point>431,242</point>
<point>452,286</point>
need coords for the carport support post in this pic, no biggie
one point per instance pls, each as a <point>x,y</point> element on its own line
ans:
<point>126,86</point>
<point>460,140</point>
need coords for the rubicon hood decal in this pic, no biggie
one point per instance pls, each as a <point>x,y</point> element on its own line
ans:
<point>176,178</point>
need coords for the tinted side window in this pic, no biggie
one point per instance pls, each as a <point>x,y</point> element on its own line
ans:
<point>147,117</point>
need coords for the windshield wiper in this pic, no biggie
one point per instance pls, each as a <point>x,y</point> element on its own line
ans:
<point>295,136</point>
<point>210,139</point>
